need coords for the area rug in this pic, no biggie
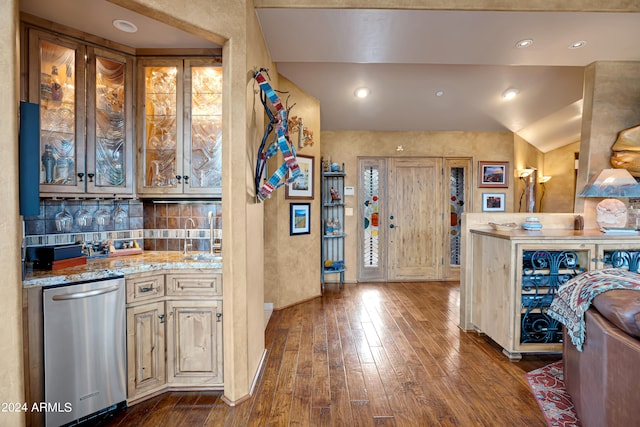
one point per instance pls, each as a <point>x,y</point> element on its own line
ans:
<point>547,385</point>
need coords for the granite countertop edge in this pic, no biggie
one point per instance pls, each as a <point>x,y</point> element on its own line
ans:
<point>104,268</point>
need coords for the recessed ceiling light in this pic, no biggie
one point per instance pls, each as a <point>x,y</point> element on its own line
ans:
<point>524,43</point>
<point>440,93</point>
<point>362,92</point>
<point>124,25</point>
<point>577,45</point>
<point>510,93</point>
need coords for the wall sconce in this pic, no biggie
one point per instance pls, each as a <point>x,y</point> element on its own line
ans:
<point>611,183</point>
<point>525,173</point>
<point>305,136</point>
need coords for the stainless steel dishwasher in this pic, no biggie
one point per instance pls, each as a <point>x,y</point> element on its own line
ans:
<point>85,371</point>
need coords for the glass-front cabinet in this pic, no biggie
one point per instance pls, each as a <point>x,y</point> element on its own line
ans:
<point>86,136</point>
<point>181,134</point>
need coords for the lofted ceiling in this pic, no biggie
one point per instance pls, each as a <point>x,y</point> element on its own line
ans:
<point>426,70</point>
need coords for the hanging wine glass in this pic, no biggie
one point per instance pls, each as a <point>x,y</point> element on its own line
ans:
<point>83,216</point>
<point>119,214</point>
<point>102,216</point>
<point>64,219</point>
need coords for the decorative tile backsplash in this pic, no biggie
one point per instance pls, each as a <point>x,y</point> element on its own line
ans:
<point>155,225</point>
<point>164,224</point>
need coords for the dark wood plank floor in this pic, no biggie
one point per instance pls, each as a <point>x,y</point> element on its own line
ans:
<point>387,354</point>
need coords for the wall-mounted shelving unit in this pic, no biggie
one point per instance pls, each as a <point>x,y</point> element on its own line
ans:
<point>332,194</point>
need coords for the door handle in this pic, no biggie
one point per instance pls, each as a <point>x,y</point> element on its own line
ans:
<point>79,295</point>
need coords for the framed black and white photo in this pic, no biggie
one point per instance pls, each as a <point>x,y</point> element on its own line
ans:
<point>302,187</point>
<point>300,218</point>
<point>493,202</point>
<point>493,174</point>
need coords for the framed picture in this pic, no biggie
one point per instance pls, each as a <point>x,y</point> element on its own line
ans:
<point>302,187</point>
<point>300,218</point>
<point>493,202</point>
<point>493,174</point>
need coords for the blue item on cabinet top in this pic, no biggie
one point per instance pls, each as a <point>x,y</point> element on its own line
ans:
<point>532,223</point>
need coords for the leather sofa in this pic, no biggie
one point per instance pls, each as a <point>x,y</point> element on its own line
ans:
<point>604,379</point>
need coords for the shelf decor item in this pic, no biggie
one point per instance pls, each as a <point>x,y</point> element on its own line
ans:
<point>300,218</point>
<point>493,174</point>
<point>302,187</point>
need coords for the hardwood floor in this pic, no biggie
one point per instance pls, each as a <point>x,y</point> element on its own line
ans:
<point>388,354</point>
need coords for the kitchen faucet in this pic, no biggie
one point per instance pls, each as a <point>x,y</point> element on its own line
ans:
<point>212,234</point>
<point>187,234</point>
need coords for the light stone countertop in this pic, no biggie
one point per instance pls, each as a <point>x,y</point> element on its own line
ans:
<point>101,268</point>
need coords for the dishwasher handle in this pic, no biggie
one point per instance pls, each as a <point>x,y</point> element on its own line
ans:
<point>80,295</point>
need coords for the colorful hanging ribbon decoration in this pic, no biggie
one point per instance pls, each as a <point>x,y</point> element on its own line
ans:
<point>279,121</point>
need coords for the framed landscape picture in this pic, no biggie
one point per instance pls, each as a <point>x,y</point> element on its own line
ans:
<point>302,187</point>
<point>493,174</point>
<point>300,218</point>
<point>493,202</point>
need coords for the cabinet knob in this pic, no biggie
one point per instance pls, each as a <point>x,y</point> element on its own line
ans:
<point>186,179</point>
<point>91,175</point>
<point>80,176</point>
<point>219,317</point>
<point>161,317</point>
<point>392,226</point>
<point>178,178</point>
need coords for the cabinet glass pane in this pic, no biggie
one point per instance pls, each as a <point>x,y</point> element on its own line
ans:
<point>206,127</point>
<point>57,114</point>
<point>160,126</point>
<point>110,123</point>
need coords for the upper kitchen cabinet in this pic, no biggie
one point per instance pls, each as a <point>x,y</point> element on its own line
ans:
<point>86,109</point>
<point>180,137</point>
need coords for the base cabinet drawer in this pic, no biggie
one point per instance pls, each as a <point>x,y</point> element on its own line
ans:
<point>145,288</point>
<point>194,284</point>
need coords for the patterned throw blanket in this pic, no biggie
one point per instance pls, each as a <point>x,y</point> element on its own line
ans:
<point>575,296</point>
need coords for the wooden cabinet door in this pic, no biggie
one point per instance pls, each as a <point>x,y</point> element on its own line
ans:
<point>145,349</point>
<point>57,84</point>
<point>194,343</point>
<point>109,123</point>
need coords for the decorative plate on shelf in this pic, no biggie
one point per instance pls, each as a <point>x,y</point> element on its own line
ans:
<point>504,227</point>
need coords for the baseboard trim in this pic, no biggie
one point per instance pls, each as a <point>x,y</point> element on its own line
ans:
<point>261,366</point>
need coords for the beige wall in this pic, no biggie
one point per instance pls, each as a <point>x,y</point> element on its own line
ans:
<point>292,268</point>
<point>611,103</point>
<point>12,389</point>
<point>560,190</point>
<point>346,146</point>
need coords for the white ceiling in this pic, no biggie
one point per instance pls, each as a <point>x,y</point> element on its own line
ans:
<point>406,56</point>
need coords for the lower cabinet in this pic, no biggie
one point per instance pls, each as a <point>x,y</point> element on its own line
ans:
<point>145,349</point>
<point>174,340</point>
<point>194,341</point>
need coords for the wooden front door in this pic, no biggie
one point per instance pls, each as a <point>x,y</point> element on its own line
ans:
<point>402,221</point>
<point>414,213</point>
